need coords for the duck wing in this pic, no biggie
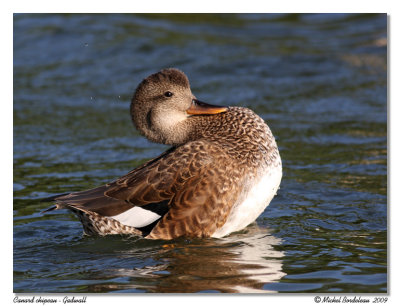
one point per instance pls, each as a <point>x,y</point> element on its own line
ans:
<point>177,183</point>
<point>204,202</point>
<point>97,200</point>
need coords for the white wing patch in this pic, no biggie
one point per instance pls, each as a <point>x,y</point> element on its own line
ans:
<point>137,217</point>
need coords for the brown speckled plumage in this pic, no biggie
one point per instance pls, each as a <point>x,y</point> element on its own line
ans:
<point>95,224</point>
<point>209,171</point>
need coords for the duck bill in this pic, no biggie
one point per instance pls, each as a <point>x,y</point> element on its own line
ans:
<point>201,108</point>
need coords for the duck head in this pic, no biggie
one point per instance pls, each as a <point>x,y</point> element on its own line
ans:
<point>163,107</point>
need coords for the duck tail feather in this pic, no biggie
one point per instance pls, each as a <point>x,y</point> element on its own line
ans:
<point>49,209</point>
<point>52,198</point>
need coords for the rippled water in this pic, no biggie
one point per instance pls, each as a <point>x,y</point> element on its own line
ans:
<point>319,81</point>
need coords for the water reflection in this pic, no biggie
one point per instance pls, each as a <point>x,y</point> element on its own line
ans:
<point>240,263</point>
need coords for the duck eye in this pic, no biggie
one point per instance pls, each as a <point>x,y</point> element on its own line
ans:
<point>168,94</point>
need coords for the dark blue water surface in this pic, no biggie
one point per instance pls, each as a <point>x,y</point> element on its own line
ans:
<point>318,80</point>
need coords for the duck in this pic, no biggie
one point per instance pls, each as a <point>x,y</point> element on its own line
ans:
<point>221,171</point>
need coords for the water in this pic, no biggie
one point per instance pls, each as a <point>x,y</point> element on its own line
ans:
<point>318,80</point>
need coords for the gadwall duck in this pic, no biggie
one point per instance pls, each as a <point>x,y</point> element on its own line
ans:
<point>222,170</point>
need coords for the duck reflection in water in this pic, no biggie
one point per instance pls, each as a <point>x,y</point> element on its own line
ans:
<point>244,262</point>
